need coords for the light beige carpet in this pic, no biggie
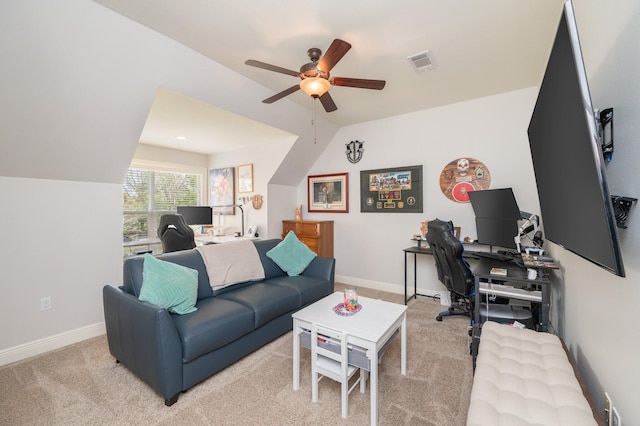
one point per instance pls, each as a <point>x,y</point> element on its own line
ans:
<point>82,385</point>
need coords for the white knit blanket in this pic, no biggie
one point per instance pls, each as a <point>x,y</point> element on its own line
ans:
<point>231,263</point>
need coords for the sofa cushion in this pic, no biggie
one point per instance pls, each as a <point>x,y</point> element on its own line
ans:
<point>292,255</point>
<point>216,323</point>
<point>169,286</point>
<point>309,288</point>
<point>267,301</point>
<point>133,266</point>
<point>271,269</point>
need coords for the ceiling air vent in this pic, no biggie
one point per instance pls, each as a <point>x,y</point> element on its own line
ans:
<point>422,61</point>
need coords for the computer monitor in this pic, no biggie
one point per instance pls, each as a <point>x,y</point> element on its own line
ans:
<point>497,216</point>
<point>196,215</point>
<point>497,232</point>
<point>495,203</point>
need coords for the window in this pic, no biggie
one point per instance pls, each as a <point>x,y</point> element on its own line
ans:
<point>151,191</point>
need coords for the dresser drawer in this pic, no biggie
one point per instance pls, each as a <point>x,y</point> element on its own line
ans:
<point>317,235</point>
<point>312,243</point>
<point>301,228</point>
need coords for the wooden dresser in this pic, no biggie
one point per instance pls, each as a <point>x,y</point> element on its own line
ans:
<point>317,235</point>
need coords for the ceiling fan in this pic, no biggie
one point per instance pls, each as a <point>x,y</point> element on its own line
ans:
<point>314,76</point>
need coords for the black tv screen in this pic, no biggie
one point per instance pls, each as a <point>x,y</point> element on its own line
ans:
<point>196,215</point>
<point>497,216</point>
<point>575,202</point>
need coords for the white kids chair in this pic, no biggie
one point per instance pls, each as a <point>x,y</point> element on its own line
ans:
<point>330,358</point>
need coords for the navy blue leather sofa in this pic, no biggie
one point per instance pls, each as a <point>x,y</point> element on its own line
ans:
<point>172,353</point>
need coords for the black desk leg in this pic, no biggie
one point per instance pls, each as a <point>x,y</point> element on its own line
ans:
<point>405,277</point>
<point>415,276</point>
<point>544,308</point>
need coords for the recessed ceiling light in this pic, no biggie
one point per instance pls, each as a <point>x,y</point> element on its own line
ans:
<point>181,138</point>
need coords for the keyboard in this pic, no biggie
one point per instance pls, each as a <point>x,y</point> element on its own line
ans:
<point>494,256</point>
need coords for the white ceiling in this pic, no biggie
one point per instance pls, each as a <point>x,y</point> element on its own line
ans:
<point>481,48</point>
<point>207,128</point>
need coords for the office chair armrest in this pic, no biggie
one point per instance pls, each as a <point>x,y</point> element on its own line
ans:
<point>144,339</point>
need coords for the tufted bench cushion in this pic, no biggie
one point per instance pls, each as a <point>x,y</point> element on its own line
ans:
<point>525,378</point>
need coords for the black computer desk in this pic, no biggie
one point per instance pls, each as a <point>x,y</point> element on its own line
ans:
<point>420,249</point>
<point>516,285</point>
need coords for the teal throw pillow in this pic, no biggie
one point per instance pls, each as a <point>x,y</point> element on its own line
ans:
<point>169,285</point>
<point>291,255</point>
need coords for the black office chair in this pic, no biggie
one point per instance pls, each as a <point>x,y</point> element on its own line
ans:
<point>175,234</point>
<point>453,270</point>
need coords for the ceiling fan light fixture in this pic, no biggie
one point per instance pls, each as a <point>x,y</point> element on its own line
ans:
<point>315,86</point>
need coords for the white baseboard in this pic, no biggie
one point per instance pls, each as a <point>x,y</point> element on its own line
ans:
<point>37,347</point>
<point>377,285</point>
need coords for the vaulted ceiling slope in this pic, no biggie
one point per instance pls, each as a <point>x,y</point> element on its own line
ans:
<point>78,82</point>
<point>480,48</point>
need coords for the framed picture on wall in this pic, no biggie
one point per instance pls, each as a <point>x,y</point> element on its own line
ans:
<point>395,190</point>
<point>221,190</point>
<point>245,178</point>
<point>328,193</point>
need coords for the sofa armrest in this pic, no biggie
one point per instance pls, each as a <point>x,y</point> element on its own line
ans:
<point>322,267</point>
<point>144,338</point>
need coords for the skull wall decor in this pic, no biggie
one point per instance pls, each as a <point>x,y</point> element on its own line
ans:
<point>463,166</point>
<point>462,175</point>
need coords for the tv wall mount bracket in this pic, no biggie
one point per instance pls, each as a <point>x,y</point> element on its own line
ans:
<point>621,207</point>
<point>604,119</point>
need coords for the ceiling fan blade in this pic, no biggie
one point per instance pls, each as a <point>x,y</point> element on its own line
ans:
<point>327,102</point>
<point>282,94</point>
<point>334,53</point>
<point>270,67</point>
<point>361,83</point>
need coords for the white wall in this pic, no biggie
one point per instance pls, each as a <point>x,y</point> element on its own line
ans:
<point>156,154</point>
<point>265,159</point>
<point>368,246</point>
<point>57,242</point>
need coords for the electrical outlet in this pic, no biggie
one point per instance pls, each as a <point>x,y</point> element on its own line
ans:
<point>616,420</point>
<point>45,303</point>
<point>607,409</point>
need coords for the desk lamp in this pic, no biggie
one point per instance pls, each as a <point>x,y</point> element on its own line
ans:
<point>530,224</point>
<point>241,213</point>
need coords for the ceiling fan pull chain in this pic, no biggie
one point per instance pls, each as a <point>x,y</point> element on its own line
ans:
<point>313,120</point>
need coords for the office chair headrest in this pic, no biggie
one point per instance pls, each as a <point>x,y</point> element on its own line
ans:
<point>173,221</point>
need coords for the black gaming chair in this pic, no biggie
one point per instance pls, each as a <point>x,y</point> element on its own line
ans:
<point>453,270</point>
<point>175,234</point>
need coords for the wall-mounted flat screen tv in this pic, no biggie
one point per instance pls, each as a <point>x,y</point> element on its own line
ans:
<point>575,202</point>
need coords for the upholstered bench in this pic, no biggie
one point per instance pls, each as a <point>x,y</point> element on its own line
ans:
<point>524,377</point>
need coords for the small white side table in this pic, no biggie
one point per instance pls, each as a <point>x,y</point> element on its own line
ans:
<point>369,329</point>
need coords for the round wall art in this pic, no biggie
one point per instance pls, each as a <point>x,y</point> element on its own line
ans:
<point>463,175</point>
